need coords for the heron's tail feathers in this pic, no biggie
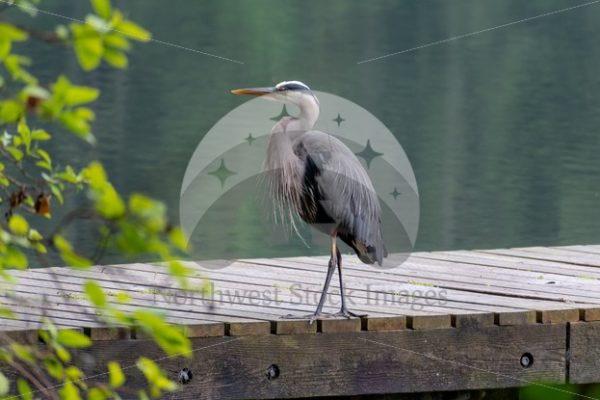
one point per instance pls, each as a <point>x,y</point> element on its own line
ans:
<point>369,254</point>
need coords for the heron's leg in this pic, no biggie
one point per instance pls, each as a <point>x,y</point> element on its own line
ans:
<point>330,270</point>
<point>333,260</point>
<point>344,310</point>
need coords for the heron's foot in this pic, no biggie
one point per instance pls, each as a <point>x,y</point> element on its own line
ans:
<point>348,314</point>
<point>310,317</point>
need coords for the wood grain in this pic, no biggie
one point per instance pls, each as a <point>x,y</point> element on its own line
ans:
<point>355,363</point>
<point>585,352</point>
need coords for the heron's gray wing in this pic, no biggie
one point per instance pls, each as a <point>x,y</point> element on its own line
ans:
<point>345,192</point>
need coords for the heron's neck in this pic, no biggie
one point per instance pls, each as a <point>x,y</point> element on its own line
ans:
<point>309,113</point>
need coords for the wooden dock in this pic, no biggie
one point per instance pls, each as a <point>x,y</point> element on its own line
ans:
<point>450,320</point>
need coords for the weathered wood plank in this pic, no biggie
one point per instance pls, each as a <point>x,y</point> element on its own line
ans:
<point>492,284</point>
<point>363,287</point>
<point>558,316</point>
<point>585,352</point>
<point>339,325</point>
<point>473,320</point>
<point>383,323</point>
<point>427,322</point>
<point>292,327</point>
<point>356,363</point>
<point>548,253</point>
<point>251,328</point>
<point>515,318</point>
<point>497,305</point>
<point>489,258</point>
<point>589,314</point>
<point>407,308</point>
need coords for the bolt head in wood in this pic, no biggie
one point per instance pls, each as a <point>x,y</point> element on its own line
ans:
<point>272,372</point>
<point>526,360</point>
<point>185,376</point>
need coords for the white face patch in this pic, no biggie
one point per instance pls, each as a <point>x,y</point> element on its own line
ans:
<point>291,85</point>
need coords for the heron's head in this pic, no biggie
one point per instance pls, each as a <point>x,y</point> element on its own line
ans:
<point>293,92</point>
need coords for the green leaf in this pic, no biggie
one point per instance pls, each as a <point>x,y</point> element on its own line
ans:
<point>116,58</point>
<point>96,393</point>
<point>25,133</point>
<point>116,41</point>
<point>546,391</point>
<point>166,336</point>
<point>54,367</point>
<point>4,384</point>
<point>85,113</point>
<point>40,248</point>
<point>14,65</point>
<point>107,200</point>
<point>80,94</point>
<point>154,376</point>
<point>62,244</point>
<point>40,134</point>
<point>8,314</point>
<point>18,225</point>
<point>178,239</point>
<point>102,8</point>
<point>74,373</point>
<point>11,32</point>
<point>95,294</point>
<point>23,353</point>
<point>78,125</point>
<point>69,175</point>
<point>61,352</point>
<point>88,46</point>
<point>16,153</point>
<point>68,254</point>
<point>57,192</point>
<point>69,391</point>
<point>133,31</point>
<point>44,164</point>
<point>178,269</point>
<point>116,376</point>
<point>5,46</point>
<point>44,154</point>
<point>14,258</point>
<point>10,111</point>
<point>24,389</point>
<point>151,211</point>
<point>149,368</point>
<point>123,298</point>
<point>34,235</point>
<point>72,338</point>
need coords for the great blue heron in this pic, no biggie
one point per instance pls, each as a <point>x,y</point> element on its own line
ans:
<point>315,175</point>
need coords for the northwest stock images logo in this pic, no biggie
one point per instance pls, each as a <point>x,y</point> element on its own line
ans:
<point>226,208</point>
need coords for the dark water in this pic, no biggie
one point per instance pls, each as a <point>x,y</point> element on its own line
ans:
<point>501,128</point>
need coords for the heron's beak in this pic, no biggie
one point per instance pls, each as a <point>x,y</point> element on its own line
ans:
<point>261,91</point>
